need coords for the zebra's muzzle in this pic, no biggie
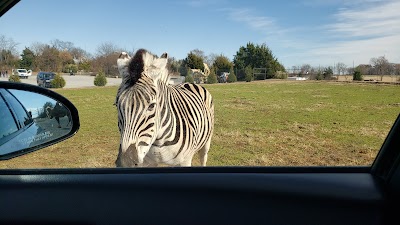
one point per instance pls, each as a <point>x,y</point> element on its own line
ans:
<point>129,158</point>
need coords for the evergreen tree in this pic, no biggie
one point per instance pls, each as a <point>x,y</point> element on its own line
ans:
<point>27,59</point>
<point>232,77</point>
<point>193,61</point>
<point>248,73</point>
<point>257,56</point>
<point>212,77</point>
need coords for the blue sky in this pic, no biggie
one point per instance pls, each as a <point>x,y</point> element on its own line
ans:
<point>317,32</point>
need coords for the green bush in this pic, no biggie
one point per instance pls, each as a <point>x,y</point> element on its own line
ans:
<point>319,76</point>
<point>212,78</point>
<point>248,74</point>
<point>189,79</point>
<point>231,78</point>
<point>357,75</point>
<point>100,79</point>
<point>14,78</point>
<point>328,73</point>
<point>58,81</point>
<point>281,75</point>
<point>70,68</point>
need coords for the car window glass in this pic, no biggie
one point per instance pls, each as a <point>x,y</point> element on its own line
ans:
<point>308,83</point>
<point>7,122</point>
<point>21,113</point>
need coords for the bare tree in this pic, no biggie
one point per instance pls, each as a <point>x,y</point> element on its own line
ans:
<point>381,66</point>
<point>295,70</point>
<point>108,48</point>
<point>8,44</point>
<point>79,54</point>
<point>341,68</point>
<point>397,69</point>
<point>8,51</point>
<point>350,71</point>
<point>49,59</point>
<point>305,69</point>
<point>37,48</point>
<point>62,45</point>
<point>210,59</point>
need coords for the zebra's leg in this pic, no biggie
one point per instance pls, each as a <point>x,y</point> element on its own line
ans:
<point>58,121</point>
<point>203,153</point>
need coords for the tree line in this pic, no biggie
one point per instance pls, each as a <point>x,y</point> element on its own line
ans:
<point>64,56</point>
<point>377,66</point>
<point>59,56</point>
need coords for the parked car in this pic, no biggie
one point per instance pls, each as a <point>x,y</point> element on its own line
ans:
<point>22,73</point>
<point>44,79</point>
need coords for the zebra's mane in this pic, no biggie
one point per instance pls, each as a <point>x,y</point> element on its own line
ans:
<point>143,62</point>
<point>136,66</point>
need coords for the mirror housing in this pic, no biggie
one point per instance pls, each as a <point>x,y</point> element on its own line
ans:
<point>41,119</point>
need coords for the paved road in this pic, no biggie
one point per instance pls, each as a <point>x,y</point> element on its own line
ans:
<point>76,81</point>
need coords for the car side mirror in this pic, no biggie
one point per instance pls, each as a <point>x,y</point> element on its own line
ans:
<point>32,118</point>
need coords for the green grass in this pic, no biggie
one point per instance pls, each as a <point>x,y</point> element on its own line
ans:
<point>272,123</point>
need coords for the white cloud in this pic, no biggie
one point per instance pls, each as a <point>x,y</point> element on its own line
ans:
<point>360,30</point>
<point>262,24</point>
<point>360,51</point>
<point>376,20</point>
<point>359,33</point>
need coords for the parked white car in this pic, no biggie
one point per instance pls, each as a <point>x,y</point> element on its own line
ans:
<point>22,73</point>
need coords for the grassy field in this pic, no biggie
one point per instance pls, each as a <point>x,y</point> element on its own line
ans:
<point>268,123</point>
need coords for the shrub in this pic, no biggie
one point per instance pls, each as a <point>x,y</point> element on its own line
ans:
<point>328,73</point>
<point>281,75</point>
<point>357,75</point>
<point>248,74</point>
<point>14,78</point>
<point>319,76</point>
<point>58,81</point>
<point>100,79</point>
<point>212,78</point>
<point>189,79</point>
<point>70,68</point>
<point>231,78</point>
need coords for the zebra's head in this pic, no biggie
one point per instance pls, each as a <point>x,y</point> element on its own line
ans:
<point>48,112</point>
<point>138,111</point>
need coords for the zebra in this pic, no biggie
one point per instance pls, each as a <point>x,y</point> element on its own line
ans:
<point>58,111</point>
<point>160,123</point>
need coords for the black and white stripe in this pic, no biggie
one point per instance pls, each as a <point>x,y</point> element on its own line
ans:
<point>160,123</point>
